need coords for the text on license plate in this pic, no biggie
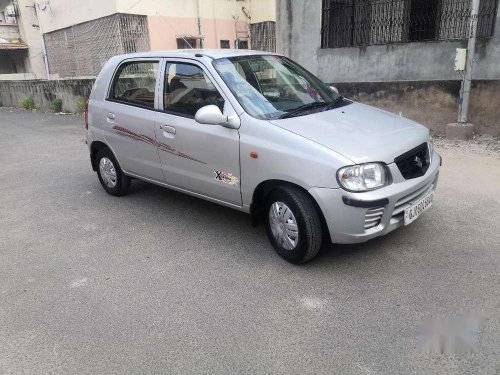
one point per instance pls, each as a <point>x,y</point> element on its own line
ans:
<point>413,212</point>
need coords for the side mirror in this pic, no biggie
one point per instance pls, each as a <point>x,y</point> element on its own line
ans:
<point>334,89</point>
<point>212,115</point>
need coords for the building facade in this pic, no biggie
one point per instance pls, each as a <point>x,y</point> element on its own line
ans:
<point>386,40</point>
<point>398,54</point>
<point>21,47</point>
<point>70,38</point>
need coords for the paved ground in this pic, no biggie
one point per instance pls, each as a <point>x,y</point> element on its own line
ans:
<point>159,282</point>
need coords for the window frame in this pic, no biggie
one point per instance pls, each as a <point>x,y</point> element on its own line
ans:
<point>455,29</point>
<point>161,88</point>
<point>116,75</point>
<point>228,43</point>
<point>243,41</point>
<point>186,43</point>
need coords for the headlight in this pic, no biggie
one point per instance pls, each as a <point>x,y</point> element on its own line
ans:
<point>364,177</point>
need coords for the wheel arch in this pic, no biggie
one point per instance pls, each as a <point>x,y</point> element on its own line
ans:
<point>264,188</point>
<point>95,147</point>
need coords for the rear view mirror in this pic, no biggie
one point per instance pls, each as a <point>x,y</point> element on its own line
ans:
<point>334,89</point>
<point>212,115</point>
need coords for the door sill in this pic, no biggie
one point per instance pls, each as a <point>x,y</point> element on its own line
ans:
<point>192,193</point>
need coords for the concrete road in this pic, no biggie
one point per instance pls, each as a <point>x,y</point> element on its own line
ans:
<point>160,282</point>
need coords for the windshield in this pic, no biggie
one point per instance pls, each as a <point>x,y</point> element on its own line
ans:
<point>271,87</point>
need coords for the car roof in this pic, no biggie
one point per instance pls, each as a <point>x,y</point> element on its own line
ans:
<point>197,53</point>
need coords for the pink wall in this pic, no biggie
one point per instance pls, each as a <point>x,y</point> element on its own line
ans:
<point>163,31</point>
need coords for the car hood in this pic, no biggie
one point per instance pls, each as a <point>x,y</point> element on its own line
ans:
<point>359,132</point>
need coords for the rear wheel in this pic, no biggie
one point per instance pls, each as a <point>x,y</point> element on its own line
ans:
<point>293,224</point>
<point>112,179</point>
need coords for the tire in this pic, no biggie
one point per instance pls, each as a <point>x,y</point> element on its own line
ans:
<point>290,204</point>
<point>107,166</point>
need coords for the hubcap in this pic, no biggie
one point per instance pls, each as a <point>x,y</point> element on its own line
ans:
<point>283,225</point>
<point>108,172</point>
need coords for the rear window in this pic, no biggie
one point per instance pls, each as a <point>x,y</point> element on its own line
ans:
<point>135,84</point>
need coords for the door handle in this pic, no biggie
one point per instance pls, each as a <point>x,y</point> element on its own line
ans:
<point>111,116</point>
<point>167,129</point>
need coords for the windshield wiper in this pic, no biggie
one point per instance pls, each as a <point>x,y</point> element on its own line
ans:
<point>302,108</point>
<point>334,104</point>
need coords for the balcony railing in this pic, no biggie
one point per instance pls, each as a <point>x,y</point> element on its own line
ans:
<point>9,31</point>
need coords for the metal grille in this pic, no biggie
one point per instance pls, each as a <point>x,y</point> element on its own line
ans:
<point>373,217</point>
<point>365,22</point>
<point>82,50</point>
<point>263,36</point>
<point>414,163</point>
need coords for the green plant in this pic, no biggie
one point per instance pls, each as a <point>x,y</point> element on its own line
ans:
<point>28,103</point>
<point>80,105</point>
<point>56,105</point>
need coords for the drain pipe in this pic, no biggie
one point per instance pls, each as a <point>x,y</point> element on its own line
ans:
<point>200,26</point>
<point>463,129</point>
<point>44,47</point>
<point>471,48</point>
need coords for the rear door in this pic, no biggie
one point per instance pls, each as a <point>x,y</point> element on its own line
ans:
<point>129,117</point>
<point>203,159</point>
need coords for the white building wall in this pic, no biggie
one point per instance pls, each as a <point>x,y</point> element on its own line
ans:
<point>58,14</point>
<point>32,36</point>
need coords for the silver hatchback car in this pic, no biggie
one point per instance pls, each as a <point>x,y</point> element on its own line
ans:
<point>256,132</point>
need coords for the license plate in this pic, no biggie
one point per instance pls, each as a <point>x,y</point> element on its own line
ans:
<point>413,212</point>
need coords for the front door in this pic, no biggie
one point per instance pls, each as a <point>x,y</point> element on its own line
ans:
<point>202,159</point>
<point>129,113</point>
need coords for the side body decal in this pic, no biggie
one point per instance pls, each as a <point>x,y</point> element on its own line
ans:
<point>226,177</point>
<point>161,146</point>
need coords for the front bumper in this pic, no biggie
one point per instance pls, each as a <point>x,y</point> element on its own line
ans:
<point>359,217</point>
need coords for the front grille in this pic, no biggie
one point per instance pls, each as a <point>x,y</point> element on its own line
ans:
<point>414,163</point>
<point>373,217</point>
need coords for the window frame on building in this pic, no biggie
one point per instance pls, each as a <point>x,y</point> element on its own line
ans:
<point>225,44</point>
<point>82,49</point>
<point>187,43</point>
<point>355,23</point>
<point>242,42</point>
<point>263,36</point>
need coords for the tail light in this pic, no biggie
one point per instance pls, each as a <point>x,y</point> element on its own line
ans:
<point>86,113</point>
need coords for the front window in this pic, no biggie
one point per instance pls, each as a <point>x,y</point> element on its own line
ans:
<point>187,89</point>
<point>271,87</point>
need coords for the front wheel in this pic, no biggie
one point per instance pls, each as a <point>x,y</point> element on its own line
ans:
<point>293,224</point>
<point>112,179</point>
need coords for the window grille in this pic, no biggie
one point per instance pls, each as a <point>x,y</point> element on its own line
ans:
<point>83,49</point>
<point>263,36</point>
<point>348,23</point>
